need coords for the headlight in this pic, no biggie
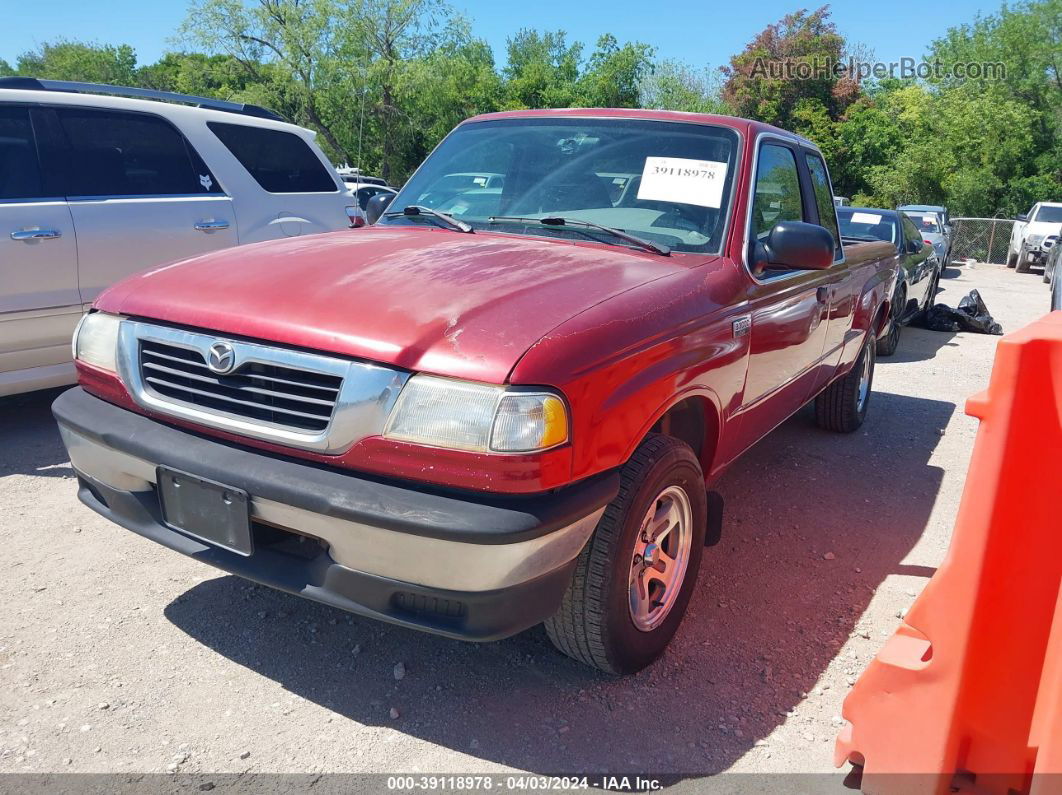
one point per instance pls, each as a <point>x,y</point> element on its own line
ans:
<point>1034,240</point>
<point>462,415</point>
<point>96,340</point>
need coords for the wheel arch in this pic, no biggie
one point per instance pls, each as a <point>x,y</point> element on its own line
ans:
<point>693,417</point>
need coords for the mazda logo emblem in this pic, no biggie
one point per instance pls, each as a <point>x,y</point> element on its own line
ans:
<point>221,358</point>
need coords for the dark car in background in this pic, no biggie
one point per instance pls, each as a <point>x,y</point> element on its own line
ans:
<point>919,265</point>
<point>1053,273</point>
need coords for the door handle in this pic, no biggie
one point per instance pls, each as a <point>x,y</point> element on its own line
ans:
<point>211,226</point>
<point>821,294</point>
<point>36,234</point>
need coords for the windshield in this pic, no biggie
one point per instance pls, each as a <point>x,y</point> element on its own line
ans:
<point>1049,215</point>
<point>669,183</point>
<point>925,222</point>
<point>866,224</point>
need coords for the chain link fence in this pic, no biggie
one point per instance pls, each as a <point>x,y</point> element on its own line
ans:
<point>981,239</point>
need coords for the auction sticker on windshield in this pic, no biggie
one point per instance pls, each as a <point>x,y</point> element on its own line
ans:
<point>684,181</point>
<point>866,218</point>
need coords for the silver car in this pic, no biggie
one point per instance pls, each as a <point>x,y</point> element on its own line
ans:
<point>930,226</point>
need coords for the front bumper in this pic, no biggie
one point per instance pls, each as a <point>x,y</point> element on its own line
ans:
<point>471,566</point>
<point>1038,253</point>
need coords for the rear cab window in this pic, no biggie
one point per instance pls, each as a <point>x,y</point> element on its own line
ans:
<point>820,183</point>
<point>117,153</point>
<point>279,161</point>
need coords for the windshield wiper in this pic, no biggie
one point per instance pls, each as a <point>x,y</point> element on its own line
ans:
<point>648,245</point>
<point>863,238</point>
<point>427,212</point>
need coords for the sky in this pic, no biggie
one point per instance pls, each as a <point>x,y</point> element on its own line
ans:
<point>699,32</point>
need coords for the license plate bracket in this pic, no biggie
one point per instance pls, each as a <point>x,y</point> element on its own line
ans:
<point>205,509</point>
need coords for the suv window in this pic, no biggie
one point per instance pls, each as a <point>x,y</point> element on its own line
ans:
<point>820,181</point>
<point>114,153</point>
<point>20,174</point>
<point>777,196</point>
<point>279,161</point>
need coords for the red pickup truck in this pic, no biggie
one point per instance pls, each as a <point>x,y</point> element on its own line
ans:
<point>501,404</point>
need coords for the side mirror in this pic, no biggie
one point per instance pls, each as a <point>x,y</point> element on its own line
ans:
<point>376,206</point>
<point>1021,217</point>
<point>914,246</point>
<point>795,244</point>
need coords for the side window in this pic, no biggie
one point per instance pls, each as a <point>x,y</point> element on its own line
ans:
<point>777,195</point>
<point>20,173</point>
<point>281,162</point>
<point>129,154</point>
<point>820,181</point>
<point>911,235</point>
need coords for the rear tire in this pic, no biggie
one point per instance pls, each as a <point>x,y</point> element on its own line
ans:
<point>886,345</point>
<point>842,406</point>
<point>596,623</point>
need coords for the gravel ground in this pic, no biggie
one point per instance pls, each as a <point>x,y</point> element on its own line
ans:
<point>117,655</point>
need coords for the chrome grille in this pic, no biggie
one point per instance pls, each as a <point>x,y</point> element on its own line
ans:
<point>291,398</point>
<point>313,401</point>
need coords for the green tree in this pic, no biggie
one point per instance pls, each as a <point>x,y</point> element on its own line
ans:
<point>299,37</point>
<point>786,68</point>
<point>1027,40</point>
<point>673,85</point>
<point>542,70</point>
<point>613,75</point>
<point>72,60</point>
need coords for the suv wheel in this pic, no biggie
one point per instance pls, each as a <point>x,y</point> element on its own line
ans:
<point>842,406</point>
<point>636,574</point>
<point>1012,258</point>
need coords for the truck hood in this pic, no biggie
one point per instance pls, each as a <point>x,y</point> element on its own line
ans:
<point>423,299</point>
<point>1042,228</point>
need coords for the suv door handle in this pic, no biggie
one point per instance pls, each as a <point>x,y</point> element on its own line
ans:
<point>821,294</point>
<point>211,226</point>
<point>36,234</point>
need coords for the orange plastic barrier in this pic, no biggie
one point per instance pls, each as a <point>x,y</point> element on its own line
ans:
<point>968,691</point>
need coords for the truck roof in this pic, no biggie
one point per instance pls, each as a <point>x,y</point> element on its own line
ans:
<point>747,126</point>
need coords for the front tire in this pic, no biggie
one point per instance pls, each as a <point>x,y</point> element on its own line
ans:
<point>842,406</point>
<point>636,574</point>
<point>1024,262</point>
<point>1012,258</point>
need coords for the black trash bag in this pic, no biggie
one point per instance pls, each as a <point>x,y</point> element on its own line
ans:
<point>972,315</point>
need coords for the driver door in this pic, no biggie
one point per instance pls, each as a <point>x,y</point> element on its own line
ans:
<point>789,309</point>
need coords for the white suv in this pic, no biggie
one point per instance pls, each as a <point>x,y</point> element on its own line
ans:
<point>1033,235</point>
<point>96,187</point>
